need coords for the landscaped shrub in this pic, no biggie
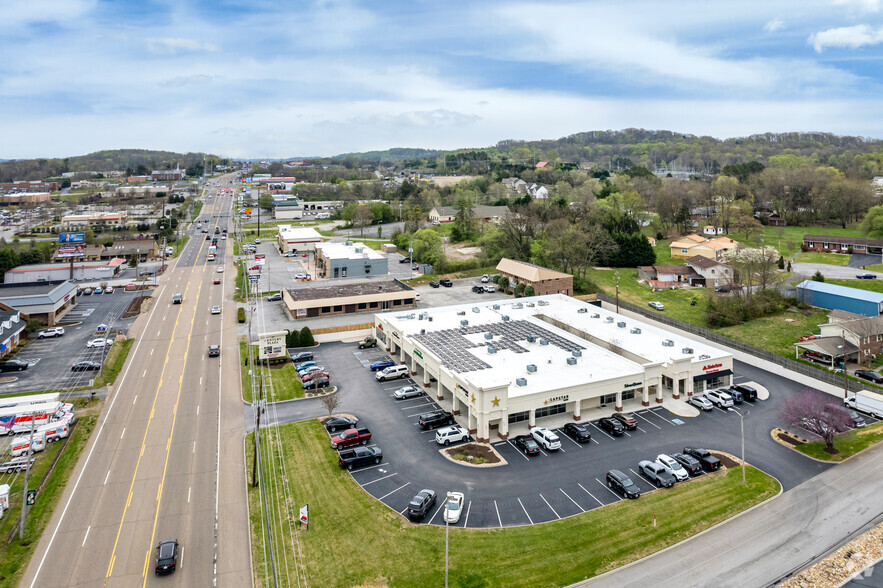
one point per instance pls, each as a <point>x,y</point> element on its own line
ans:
<point>241,314</point>
<point>519,290</point>
<point>504,283</point>
<point>529,291</point>
<point>306,337</point>
<point>292,339</point>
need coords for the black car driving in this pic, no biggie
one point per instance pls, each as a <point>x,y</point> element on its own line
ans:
<point>166,556</point>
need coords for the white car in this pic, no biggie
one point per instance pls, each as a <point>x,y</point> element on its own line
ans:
<point>680,473</point>
<point>485,279</point>
<point>51,332</point>
<point>407,392</point>
<point>99,342</point>
<point>449,435</point>
<point>221,269</point>
<point>719,398</point>
<point>300,276</point>
<point>108,290</point>
<point>454,507</point>
<point>216,310</point>
<point>546,438</point>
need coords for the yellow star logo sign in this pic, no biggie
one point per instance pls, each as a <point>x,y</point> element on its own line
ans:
<point>496,401</point>
<point>473,399</point>
<point>545,402</point>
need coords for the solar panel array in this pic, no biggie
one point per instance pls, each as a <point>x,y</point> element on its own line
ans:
<point>452,346</point>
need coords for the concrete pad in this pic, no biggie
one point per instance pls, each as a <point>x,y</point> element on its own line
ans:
<point>762,392</point>
<point>681,408</point>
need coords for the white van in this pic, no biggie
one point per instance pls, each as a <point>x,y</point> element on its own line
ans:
<point>323,215</point>
<point>392,372</point>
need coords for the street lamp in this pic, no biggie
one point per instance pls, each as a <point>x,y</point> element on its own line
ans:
<point>446,539</point>
<point>616,281</point>
<point>742,427</point>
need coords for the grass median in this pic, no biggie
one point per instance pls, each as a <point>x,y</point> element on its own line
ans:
<point>113,363</point>
<point>285,383</point>
<point>378,547</point>
<point>847,444</point>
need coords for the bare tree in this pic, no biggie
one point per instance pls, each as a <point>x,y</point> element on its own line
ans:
<point>363,218</point>
<point>818,413</point>
<point>331,402</point>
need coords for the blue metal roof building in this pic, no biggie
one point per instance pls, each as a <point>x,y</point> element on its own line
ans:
<point>840,298</point>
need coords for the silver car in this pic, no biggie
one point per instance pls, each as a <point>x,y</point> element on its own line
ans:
<point>407,392</point>
<point>701,402</point>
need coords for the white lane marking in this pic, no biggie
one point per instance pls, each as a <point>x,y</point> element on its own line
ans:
<point>107,476</point>
<point>468,508</point>
<point>436,512</point>
<point>135,399</point>
<point>648,420</point>
<point>572,500</point>
<point>194,447</point>
<point>144,375</point>
<point>151,352</point>
<point>200,380</point>
<point>189,488</point>
<point>608,489</point>
<point>525,511</point>
<point>158,333</point>
<point>197,410</point>
<point>394,491</point>
<point>590,494</point>
<point>123,433</point>
<point>87,536</point>
<point>499,520</point>
<point>378,479</point>
<point>550,506</point>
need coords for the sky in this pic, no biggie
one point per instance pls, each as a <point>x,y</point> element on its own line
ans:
<point>262,78</point>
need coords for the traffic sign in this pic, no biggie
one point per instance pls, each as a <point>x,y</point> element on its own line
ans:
<point>32,497</point>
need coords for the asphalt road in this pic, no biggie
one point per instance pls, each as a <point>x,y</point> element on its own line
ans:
<point>837,272</point>
<point>167,459</point>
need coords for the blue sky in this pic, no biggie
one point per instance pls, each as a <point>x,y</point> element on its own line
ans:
<point>260,78</point>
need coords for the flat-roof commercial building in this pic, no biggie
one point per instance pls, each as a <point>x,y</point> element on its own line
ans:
<point>508,362</point>
<point>342,260</point>
<point>55,272</point>
<point>299,238</point>
<point>44,301</point>
<point>312,302</point>
<point>118,218</point>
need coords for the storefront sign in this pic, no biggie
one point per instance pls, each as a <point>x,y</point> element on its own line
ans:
<point>713,366</point>
<point>271,345</point>
<point>633,384</point>
<point>300,312</point>
<point>562,398</point>
<point>418,354</point>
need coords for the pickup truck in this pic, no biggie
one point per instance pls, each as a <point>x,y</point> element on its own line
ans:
<point>351,437</point>
<point>708,462</point>
<point>353,458</point>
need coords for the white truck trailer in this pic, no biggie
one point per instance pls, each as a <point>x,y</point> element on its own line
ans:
<point>867,402</point>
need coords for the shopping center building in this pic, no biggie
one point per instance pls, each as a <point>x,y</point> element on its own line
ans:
<point>522,360</point>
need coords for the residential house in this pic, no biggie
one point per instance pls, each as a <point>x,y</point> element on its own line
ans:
<point>537,191</point>
<point>712,230</point>
<point>543,280</point>
<point>775,220</point>
<point>515,184</point>
<point>711,273</point>
<point>544,165</point>
<point>865,333</point>
<point>447,214</point>
<point>829,244</point>
<point>662,277</point>
<point>691,245</point>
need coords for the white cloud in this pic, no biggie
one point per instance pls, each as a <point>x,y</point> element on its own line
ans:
<point>773,25</point>
<point>173,46</point>
<point>861,6</point>
<point>191,80</point>
<point>62,12</point>
<point>848,37</point>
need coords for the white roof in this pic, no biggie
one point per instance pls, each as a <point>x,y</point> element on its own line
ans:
<point>355,251</point>
<point>290,233</point>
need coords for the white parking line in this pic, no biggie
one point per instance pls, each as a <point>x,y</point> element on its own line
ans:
<point>87,535</point>
<point>518,451</point>
<point>441,506</point>
<point>550,506</point>
<point>601,430</point>
<point>647,420</point>
<point>499,520</point>
<point>107,476</point>
<point>379,479</point>
<point>642,430</point>
<point>654,413</point>
<point>572,500</point>
<point>468,508</point>
<point>394,491</point>
<point>589,493</point>
<point>608,489</point>
<point>566,437</point>
<point>525,511</point>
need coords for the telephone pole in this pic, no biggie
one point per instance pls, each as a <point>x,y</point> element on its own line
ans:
<point>24,493</point>
<point>254,468</point>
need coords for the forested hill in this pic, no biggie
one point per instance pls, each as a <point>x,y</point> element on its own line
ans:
<point>395,154</point>
<point>100,161</point>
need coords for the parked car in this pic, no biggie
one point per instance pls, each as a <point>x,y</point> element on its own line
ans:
<point>627,419</point>
<point>701,402</point>
<point>51,332</point>
<point>679,471</point>
<point>546,438</point>
<point>526,444</point>
<point>274,297</point>
<point>321,381</point>
<point>313,372</point>
<point>866,277</point>
<point>656,305</point>
<point>351,437</point>
<point>99,342</point>
<point>99,290</point>
<point>359,456</point>
<point>708,462</point>
<point>382,364</point>
<point>748,393</point>
<point>84,366</point>
<point>166,557</point>
<point>367,342</point>
<point>735,395</point>
<point>214,350</point>
<point>407,392</point>
<point>392,372</point>
<point>658,474</point>
<point>612,426</point>
<point>478,289</point>
<point>449,435</point>
<point>485,279</point>
<point>858,420</point>
<point>420,505</point>
<point>454,507</point>
<point>340,424</point>
<point>489,288</point>
<point>300,367</point>
<point>108,290</point>
<point>446,282</point>
<point>302,356</point>
<point>719,398</point>
<point>405,260</point>
<point>87,292</point>
<point>869,375</point>
<point>577,432</point>
<point>622,484</point>
<point>433,284</point>
<point>438,418</point>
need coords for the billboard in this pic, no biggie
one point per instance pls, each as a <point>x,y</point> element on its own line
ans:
<point>248,210</point>
<point>71,237</point>
<point>271,345</point>
<point>71,251</point>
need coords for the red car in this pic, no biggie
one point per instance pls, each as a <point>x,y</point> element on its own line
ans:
<point>255,268</point>
<point>217,281</point>
<point>316,374</point>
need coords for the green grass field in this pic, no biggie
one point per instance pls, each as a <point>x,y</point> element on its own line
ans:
<point>380,548</point>
<point>826,258</point>
<point>847,444</point>
<point>113,363</point>
<point>787,240</point>
<point>870,285</point>
<point>777,333</point>
<point>279,383</point>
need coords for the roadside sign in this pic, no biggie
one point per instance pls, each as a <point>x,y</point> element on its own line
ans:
<point>248,210</point>
<point>32,497</point>
<point>72,237</point>
<point>70,251</point>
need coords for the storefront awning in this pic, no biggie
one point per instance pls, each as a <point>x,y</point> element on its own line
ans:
<point>713,375</point>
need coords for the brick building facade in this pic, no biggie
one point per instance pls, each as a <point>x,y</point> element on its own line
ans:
<point>543,280</point>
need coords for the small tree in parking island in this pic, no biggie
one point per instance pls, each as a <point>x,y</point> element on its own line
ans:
<point>818,413</point>
<point>306,337</point>
<point>331,402</point>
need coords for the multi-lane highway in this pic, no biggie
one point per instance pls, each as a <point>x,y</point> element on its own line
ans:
<point>167,459</point>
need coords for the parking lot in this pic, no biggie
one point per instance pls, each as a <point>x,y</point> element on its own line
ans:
<point>551,485</point>
<point>52,359</point>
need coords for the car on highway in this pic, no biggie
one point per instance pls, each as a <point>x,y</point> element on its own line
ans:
<point>454,507</point>
<point>302,356</point>
<point>611,426</point>
<point>869,375</point>
<point>99,342</point>
<point>622,484</point>
<point>379,365</point>
<point>84,366</point>
<point>408,392</point>
<point>719,398</point>
<point>14,365</point>
<point>166,557</point>
<point>220,269</point>
<point>216,309</point>
<point>656,305</point>
<point>680,473</point>
<point>658,474</point>
<point>214,350</point>
<point>274,297</point>
<point>577,432</point>
<point>866,277</point>
<point>433,284</point>
<point>335,424</point>
<point>51,332</point>
<point>627,419</point>
<point>446,282</point>
<point>216,281</point>
<point>526,444</point>
<point>690,463</point>
<point>701,402</point>
<point>421,504</point>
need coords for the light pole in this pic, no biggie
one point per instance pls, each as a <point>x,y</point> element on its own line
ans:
<point>742,428</point>
<point>446,539</point>
<point>616,281</point>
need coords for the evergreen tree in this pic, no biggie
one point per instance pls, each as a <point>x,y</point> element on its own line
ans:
<point>306,337</point>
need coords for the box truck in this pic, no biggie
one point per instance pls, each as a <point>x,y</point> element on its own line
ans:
<point>867,402</point>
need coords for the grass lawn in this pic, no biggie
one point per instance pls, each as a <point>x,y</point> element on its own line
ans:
<point>285,383</point>
<point>382,549</point>
<point>871,285</point>
<point>848,444</point>
<point>14,556</point>
<point>113,363</point>
<point>197,208</point>
<point>472,273</point>
<point>775,333</point>
<point>826,258</point>
<point>180,244</point>
<point>792,237</point>
<point>663,254</point>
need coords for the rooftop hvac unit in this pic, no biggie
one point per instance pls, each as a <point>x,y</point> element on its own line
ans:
<point>621,324</point>
<point>530,304</point>
<point>582,311</point>
<point>496,307</point>
<point>687,351</point>
<point>491,349</point>
<point>531,339</point>
<point>531,368</point>
<point>609,319</point>
<point>358,250</point>
<point>505,318</point>
<point>429,318</point>
<point>461,313</point>
<point>542,303</point>
<point>635,331</point>
<point>464,323</point>
<point>413,315</point>
<point>668,343</point>
<point>596,315</point>
<point>517,305</point>
<point>544,341</point>
<point>577,353</point>
<point>420,318</point>
<point>703,356</point>
<point>476,309</point>
<point>571,361</point>
<point>521,381</point>
<point>422,331</point>
<point>488,336</point>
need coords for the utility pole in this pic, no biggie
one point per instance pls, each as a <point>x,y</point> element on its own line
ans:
<point>24,493</point>
<point>254,469</point>
<point>259,212</point>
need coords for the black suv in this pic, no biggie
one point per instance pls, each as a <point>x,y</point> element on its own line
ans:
<point>748,393</point>
<point>869,375</point>
<point>421,503</point>
<point>478,289</point>
<point>612,426</point>
<point>577,432</point>
<point>627,419</point>
<point>439,418</point>
<point>14,365</point>
<point>619,482</point>
<point>166,556</point>
<point>446,282</point>
<point>690,463</point>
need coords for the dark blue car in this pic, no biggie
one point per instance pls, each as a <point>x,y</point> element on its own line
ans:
<point>379,365</point>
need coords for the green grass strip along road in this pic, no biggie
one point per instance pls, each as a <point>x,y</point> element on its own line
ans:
<point>847,444</point>
<point>356,540</point>
<point>286,383</point>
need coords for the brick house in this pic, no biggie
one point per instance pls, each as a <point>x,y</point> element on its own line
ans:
<point>829,244</point>
<point>543,280</point>
<point>775,220</point>
<point>711,272</point>
<point>864,332</point>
